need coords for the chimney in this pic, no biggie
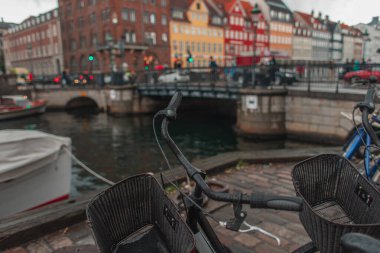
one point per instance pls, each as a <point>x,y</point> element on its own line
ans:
<point>327,17</point>
<point>312,13</point>
<point>319,15</point>
<point>2,20</point>
<point>375,20</point>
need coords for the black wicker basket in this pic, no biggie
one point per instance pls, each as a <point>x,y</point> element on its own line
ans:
<point>136,216</point>
<point>338,200</point>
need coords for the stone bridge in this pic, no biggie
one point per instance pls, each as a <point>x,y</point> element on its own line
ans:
<point>293,111</point>
<point>72,97</point>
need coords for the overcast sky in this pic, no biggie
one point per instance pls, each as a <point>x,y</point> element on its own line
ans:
<point>348,11</point>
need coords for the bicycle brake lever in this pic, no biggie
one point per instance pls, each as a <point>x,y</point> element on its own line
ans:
<point>260,230</point>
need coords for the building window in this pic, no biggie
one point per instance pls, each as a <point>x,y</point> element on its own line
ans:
<point>132,15</point>
<point>163,3</point>
<point>150,38</point>
<point>146,17</point>
<point>105,14</point>
<point>125,14</point>
<point>177,14</point>
<point>152,18</point>
<point>198,6</point>
<point>164,37</point>
<point>92,18</point>
<point>164,20</point>
<point>133,37</point>
<point>73,45</point>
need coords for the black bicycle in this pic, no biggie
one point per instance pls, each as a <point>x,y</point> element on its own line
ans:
<point>135,215</point>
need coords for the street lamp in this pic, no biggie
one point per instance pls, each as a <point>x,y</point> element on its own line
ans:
<point>30,54</point>
<point>255,19</point>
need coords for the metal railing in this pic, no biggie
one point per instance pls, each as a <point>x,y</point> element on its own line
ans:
<point>306,76</point>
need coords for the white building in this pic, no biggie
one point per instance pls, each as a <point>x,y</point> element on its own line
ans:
<point>372,46</point>
<point>352,43</point>
<point>302,41</point>
<point>321,37</point>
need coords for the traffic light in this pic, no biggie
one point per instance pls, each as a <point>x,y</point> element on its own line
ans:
<point>91,57</point>
<point>189,57</point>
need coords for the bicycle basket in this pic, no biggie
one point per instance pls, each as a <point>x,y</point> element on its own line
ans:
<point>136,216</point>
<point>337,200</point>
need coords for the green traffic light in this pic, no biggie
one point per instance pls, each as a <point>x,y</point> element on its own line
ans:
<point>146,68</point>
<point>191,60</point>
<point>91,58</point>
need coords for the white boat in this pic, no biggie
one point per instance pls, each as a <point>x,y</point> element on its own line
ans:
<point>20,106</point>
<point>35,170</point>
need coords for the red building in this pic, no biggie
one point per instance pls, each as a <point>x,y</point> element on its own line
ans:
<point>35,44</point>
<point>120,35</point>
<point>239,34</point>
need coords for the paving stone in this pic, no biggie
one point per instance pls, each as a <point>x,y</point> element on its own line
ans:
<point>238,248</point>
<point>78,231</point>
<point>247,240</point>
<point>266,248</point>
<point>39,246</point>
<point>88,240</point>
<point>62,242</point>
<point>16,250</point>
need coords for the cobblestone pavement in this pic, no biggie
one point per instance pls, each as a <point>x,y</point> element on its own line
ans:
<point>274,178</point>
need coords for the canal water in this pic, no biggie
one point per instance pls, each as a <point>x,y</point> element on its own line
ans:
<point>119,147</point>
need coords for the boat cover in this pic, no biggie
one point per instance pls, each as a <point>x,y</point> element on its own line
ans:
<point>24,151</point>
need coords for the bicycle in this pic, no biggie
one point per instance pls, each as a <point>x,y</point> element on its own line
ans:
<point>109,223</point>
<point>363,139</point>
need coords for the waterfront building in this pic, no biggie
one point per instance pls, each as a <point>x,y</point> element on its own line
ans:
<point>239,32</point>
<point>281,21</point>
<point>4,26</point>
<point>196,30</point>
<point>336,42</point>
<point>107,36</point>
<point>352,43</point>
<point>35,44</point>
<point>372,45</point>
<point>320,35</point>
<point>302,40</point>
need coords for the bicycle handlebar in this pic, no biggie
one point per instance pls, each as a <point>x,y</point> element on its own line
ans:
<point>359,243</point>
<point>256,200</point>
<point>368,107</point>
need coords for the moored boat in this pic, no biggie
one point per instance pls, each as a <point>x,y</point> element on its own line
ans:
<point>35,170</point>
<point>19,106</point>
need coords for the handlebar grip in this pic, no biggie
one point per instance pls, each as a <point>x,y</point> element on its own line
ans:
<point>175,101</point>
<point>355,242</point>
<point>369,99</point>
<point>260,200</point>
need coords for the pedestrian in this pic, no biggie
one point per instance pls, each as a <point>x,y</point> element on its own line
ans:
<point>272,69</point>
<point>213,66</point>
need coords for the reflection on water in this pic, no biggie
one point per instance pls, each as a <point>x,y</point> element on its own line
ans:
<point>118,147</point>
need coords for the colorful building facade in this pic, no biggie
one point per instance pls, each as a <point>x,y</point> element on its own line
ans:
<point>281,21</point>
<point>196,29</point>
<point>120,35</point>
<point>35,44</point>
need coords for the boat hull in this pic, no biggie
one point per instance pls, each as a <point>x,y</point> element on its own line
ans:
<point>42,186</point>
<point>23,112</point>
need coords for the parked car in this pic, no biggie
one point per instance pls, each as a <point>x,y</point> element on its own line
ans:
<point>244,77</point>
<point>361,75</point>
<point>171,76</point>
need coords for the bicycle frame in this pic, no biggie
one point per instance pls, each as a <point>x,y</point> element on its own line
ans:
<point>357,142</point>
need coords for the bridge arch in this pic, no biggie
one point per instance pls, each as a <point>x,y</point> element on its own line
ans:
<point>81,102</point>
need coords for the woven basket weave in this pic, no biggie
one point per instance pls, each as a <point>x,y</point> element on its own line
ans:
<point>338,200</point>
<point>120,217</point>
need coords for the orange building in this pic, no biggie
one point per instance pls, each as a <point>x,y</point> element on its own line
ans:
<point>281,22</point>
<point>196,29</point>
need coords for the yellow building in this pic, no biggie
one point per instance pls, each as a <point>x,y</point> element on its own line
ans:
<point>196,27</point>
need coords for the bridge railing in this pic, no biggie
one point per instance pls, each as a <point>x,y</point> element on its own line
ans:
<point>302,75</point>
<point>307,76</point>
